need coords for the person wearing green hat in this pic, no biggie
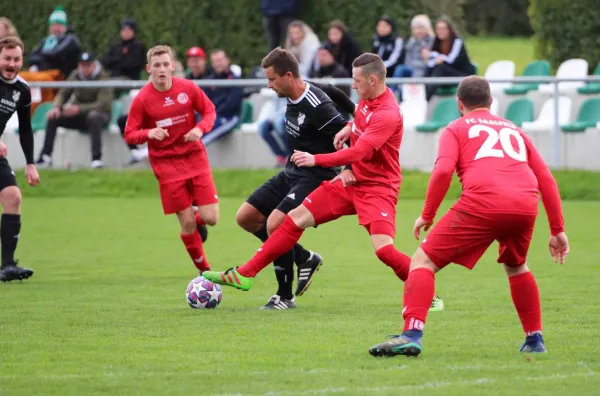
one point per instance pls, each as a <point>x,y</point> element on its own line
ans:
<point>59,50</point>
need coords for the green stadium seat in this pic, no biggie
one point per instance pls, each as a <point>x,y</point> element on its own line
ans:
<point>592,87</point>
<point>117,110</point>
<point>247,113</point>
<point>38,120</point>
<point>533,69</point>
<point>588,117</point>
<point>520,111</point>
<point>445,112</point>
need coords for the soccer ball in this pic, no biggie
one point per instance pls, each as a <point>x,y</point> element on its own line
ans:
<point>202,293</point>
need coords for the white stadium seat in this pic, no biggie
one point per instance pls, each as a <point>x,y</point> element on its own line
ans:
<point>414,104</point>
<point>545,121</point>
<point>569,68</point>
<point>495,107</point>
<point>504,69</point>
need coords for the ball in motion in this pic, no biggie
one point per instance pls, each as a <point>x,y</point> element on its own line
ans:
<point>203,294</point>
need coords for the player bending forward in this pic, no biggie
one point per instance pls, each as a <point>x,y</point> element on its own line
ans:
<point>312,121</point>
<point>375,137</point>
<point>15,95</point>
<point>501,172</point>
<point>163,115</point>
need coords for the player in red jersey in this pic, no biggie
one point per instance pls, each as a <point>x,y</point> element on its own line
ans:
<point>375,137</point>
<point>162,114</point>
<point>502,174</point>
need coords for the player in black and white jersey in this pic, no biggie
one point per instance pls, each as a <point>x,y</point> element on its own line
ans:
<point>15,96</point>
<point>311,122</point>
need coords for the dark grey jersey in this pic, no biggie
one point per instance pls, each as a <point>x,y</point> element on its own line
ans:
<point>15,96</point>
<point>311,123</point>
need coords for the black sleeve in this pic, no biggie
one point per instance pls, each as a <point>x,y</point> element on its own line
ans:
<point>338,96</point>
<point>25,131</point>
<point>327,119</point>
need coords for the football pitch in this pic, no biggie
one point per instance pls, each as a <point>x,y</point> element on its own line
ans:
<point>105,313</point>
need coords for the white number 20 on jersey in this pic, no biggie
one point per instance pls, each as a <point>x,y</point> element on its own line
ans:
<point>487,148</point>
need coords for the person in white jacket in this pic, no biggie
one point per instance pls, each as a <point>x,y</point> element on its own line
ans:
<point>303,43</point>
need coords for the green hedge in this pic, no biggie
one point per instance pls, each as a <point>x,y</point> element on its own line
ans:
<point>485,17</point>
<point>566,29</point>
<point>574,185</point>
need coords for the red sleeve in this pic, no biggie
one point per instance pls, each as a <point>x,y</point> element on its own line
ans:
<point>441,177</point>
<point>205,107</point>
<point>548,188</point>
<point>134,134</point>
<point>359,151</point>
<point>382,126</point>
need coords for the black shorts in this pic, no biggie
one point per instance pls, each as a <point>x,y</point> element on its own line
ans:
<point>7,175</point>
<point>283,192</point>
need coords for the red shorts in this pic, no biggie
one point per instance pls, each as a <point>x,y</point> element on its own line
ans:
<point>331,201</point>
<point>463,238</point>
<point>180,195</point>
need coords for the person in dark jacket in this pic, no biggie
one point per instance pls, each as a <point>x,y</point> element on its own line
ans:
<point>448,56</point>
<point>227,100</point>
<point>345,47</point>
<point>60,50</point>
<point>277,15</point>
<point>325,66</point>
<point>126,57</point>
<point>387,44</point>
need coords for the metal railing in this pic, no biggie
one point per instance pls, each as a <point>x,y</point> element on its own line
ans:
<point>342,82</point>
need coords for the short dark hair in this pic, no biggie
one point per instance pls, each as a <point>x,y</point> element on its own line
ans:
<point>217,50</point>
<point>474,92</point>
<point>371,64</point>
<point>283,61</point>
<point>11,42</point>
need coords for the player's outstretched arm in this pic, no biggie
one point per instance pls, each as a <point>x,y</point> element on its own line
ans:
<point>134,133</point>
<point>26,140</point>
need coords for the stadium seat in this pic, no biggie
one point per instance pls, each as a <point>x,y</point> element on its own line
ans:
<point>588,117</point>
<point>545,121</point>
<point>117,110</point>
<point>593,87</point>
<point>38,120</point>
<point>533,69</point>
<point>247,113</point>
<point>414,104</point>
<point>503,69</point>
<point>519,111</point>
<point>495,107</point>
<point>445,112</point>
<point>570,68</point>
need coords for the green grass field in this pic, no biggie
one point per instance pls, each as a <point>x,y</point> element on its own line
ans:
<point>486,50</point>
<point>105,313</point>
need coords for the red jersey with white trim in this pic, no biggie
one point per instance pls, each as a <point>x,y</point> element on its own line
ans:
<point>172,159</point>
<point>500,169</point>
<point>379,122</point>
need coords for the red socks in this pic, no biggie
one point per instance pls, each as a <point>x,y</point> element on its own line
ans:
<point>193,244</point>
<point>280,242</point>
<point>199,219</point>
<point>526,297</point>
<point>418,294</point>
<point>396,260</point>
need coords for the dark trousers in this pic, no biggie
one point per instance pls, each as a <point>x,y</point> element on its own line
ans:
<point>93,122</point>
<point>276,29</point>
<point>122,122</point>
<point>441,70</point>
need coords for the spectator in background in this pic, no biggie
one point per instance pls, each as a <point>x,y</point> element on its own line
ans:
<point>179,69</point>
<point>326,66</point>
<point>196,64</point>
<point>80,108</point>
<point>126,57</point>
<point>421,39</point>
<point>7,28</point>
<point>303,43</point>
<point>448,56</point>
<point>271,127</point>
<point>345,48</point>
<point>227,100</point>
<point>60,50</point>
<point>387,44</point>
<point>277,15</point>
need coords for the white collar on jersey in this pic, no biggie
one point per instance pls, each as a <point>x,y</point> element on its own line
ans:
<point>301,96</point>
<point>14,80</point>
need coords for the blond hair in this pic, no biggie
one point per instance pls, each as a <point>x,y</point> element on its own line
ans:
<point>159,50</point>
<point>423,21</point>
<point>11,30</point>
<point>11,42</point>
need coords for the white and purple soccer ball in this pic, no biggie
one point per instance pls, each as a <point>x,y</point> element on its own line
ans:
<point>203,294</point>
